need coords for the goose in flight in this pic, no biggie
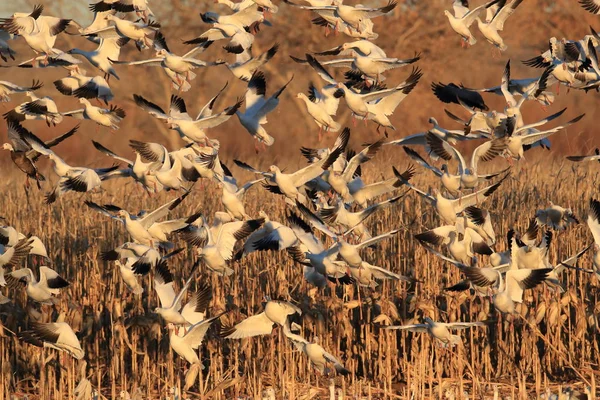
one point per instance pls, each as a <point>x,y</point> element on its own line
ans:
<point>451,93</point>
<point>142,33</point>
<point>240,40</point>
<point>556,217</point>
<point>13,256</point>
<point>439,330</point>
<point>108,51</point>
<point>469,176</point>
<point>257,108</point>
<point>365,48</point>
<point>23,155</point>
<point>42,290</point>
<point>218,250</point>
<point>462,250</point>
<point>242,18</point>
<point>39,108</point>
<point>289,184</point>
<point>172,310</point>
<point>182,66</point>
<point>490,29</point>
<point>40,32</point>
<point>8,88</point>
<point>276,312</point>
<point>108,117</point>
<point>462,20</point>
<point>144,257</point>
<point>79,85</point>
<point>187,345</point>
<point>448,209</point>
<point>56,335</point>
<point>193,130</point>
<point>271,236</point>
<point>317,355</point>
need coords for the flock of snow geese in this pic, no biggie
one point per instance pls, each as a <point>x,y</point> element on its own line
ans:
<point>328,203</point>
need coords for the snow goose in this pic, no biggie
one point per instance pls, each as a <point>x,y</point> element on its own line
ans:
<point>480,220</point>
<point>366,275</point>
<point>246,66</point>
<point>271,236</point>
<point>363,194</point>
<point>172,310</point>
<point>218,251</point>
<point>41,291</point>
<point>187,345</point>
<point>316,106</point>
<point>13,256</point>
<point>448,209</point>
<point>79,85</point>
<point>461,21</point>
<point>439,330</point>
<point>289,184</point>
<point>257,108</point>
<point>108,117</point>
<point>140,32</point>
<point>461,250</point>
<point>8,88</point>
<point>56,335</point>
<point>490,29</point>
<point>340,181</point>
<point>356,16</point>
<point>146,229</point>
<point>140,7</point>
<point>102,57</point>
<point>39,31</point>
<point>556,217</point>
<point>235,7</point>
<point>37,109</point>
<point>469,176</point>
<point>317,355</point>
<point>145,257</point>
<point>179,119</point>
<point>310,252</point>
<point>232,198</point>
<point>23,155</point>
<point>451,93</point>
<point>365,48</point>
<point>451,136</point>
<point>63,60</point>
<point>529,137</point>
<point>353,221</point>
<point>129,276</point>
<point>450,181</point>
<point>275,312</point>
<point>241,19</point>
<point>381,109</point>
<point>135,169</point>
<point>240,40</point>
<point>182,66</point>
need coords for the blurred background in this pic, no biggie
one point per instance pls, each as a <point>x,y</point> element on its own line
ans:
<point>414,26</point>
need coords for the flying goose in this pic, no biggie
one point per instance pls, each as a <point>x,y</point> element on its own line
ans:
<point>469,176</point>
<point>275,312</point>
<point>451,136</point>
<point>242,18</point>
<point>322,106</point>
<point>257,108</point>
<point>365,48</point>
<point>363,194</point>
<point>144,257</point>
<point>236,6</point>
<point>450,181</point>
<point>178,118</point>
<point>317,355</point>
<point>43,108</point>
<point>448,209</point>
<point>56,335</point>
<point>108,117</point>
<point>23,155</point>
<point>439,330</point>
<point>556,217</point>
<point>13,256</point>
<point>490,29</point>
<point>461,250</point>
<point>140,32</point>
<point>182,66</point>
<point>186,346</point>
<point>271,236</point>
<point>172,310</point>
<point>461,21</point>
<point>41,291</point>
<point>79,85</point>
<point>240,40</point>
<point>8,88</point>
<point>218,250</point>
<point>39,31</point>
<point>232,198</point>
<point>103,57</point>
<point>451,93</point>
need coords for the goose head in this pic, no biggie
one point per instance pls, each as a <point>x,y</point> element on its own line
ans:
<point>123,214</point>
<point>8,146</point>
<point>274,169</point>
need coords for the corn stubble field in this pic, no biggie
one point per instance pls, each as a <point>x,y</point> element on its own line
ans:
<point>552,341</point>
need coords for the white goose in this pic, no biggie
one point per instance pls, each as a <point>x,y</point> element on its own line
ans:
<point>187,345</point>
<point>56,335</point>
<point>257,108</point>
<point>439,330</point>
<point>103,57</point>
<point>140,32</point>
<point>317,355</point>
<point>13,256</point>
<point>41,291</point>
<point>8,88</point>
<point>43,108</point>
<point>102,116</point>
<point>275,312</point>
<point>490,29</point>
<point>271,236</point>
<point>462,21</point>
